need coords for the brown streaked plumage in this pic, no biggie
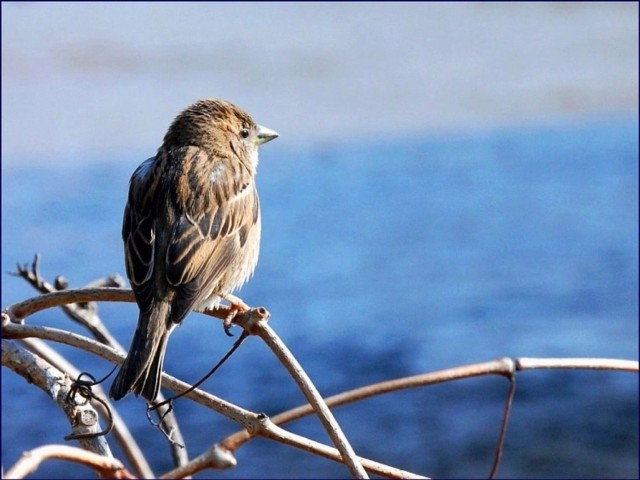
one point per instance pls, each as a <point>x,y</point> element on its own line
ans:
<point>191,230</point>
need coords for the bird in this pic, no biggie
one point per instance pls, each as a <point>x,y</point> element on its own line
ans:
<point>191,230</point>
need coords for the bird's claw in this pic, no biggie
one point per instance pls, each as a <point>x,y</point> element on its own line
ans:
<point>226,324</point>
<point>236,305</point>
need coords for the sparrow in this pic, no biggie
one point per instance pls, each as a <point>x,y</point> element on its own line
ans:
<point>191,230</point>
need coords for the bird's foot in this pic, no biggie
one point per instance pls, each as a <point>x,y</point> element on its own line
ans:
<point>237,305</point>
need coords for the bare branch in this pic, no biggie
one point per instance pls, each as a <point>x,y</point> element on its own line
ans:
<point>18,331</point>
<point>70,301</point>
<point>19,311</point>
<point>216,457</point>
<point>525,363</point>
<point>504,367</point>
<point>250,421</point>
<point>81,414</point>
<point>85,313</point>
<point>219,456</point>
<point>120,429</point>
<point>272,431</point>
<point>30,461</point>
<point>258,326</point>
<point>503,427</point>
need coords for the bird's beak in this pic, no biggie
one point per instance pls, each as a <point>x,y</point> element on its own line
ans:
<point>265,135</point>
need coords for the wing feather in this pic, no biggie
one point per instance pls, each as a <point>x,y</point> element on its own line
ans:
<point>139,232</point>
<point>207,236</point>
<point>187,218</point>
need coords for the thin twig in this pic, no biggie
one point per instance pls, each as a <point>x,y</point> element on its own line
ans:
<point>272,431</point>
<point>252,422</point>
<point>83,313</point>
<point>226,356</point>
<point>30,461</point>
<point>262,329</point>
<point>17,331</point>
<point>255,423</point>
<point>216,457</point>
<point>503,367</point>
<point>503,427</point>
<point>262,426</point>
<point>525,363</point>
<point>20,310</point>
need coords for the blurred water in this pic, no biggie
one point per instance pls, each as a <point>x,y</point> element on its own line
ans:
<point>383,259</point>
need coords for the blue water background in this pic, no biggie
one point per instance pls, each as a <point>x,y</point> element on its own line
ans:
<point>384,258</point>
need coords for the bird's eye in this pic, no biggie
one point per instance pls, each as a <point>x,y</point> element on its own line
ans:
<point>244,133</point>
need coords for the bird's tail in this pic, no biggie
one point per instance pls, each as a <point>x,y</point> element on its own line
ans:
<point>141,370</point>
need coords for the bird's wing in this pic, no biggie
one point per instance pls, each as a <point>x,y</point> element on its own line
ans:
<point>216,206</point>
<point>139,232</point>
<point>209,206</point>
